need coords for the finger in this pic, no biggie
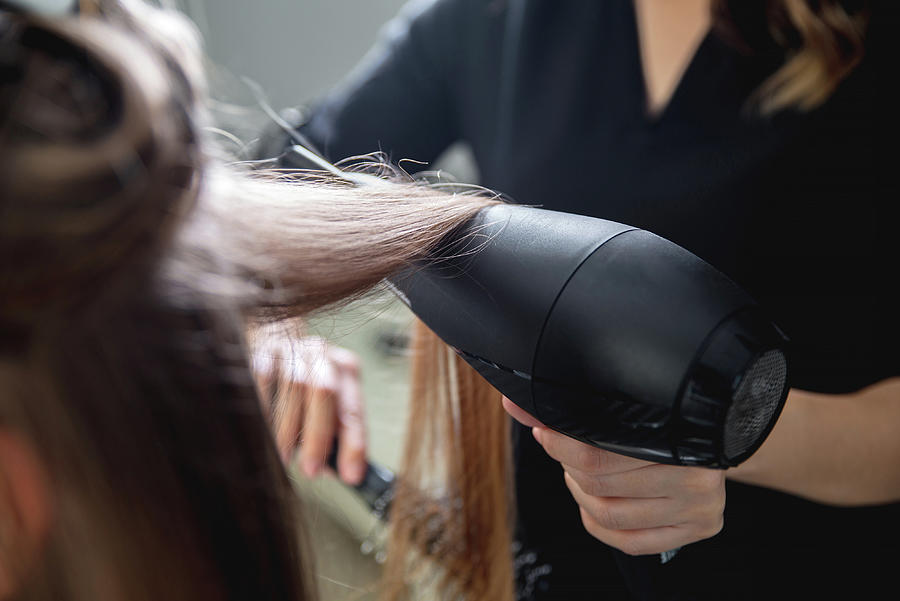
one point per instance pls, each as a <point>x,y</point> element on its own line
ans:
<point>520,415</point>
<point>583,456</point>
<point>696,489</point>
<point>275,365</point>
<point>318,430</point>
<point>621,513</point>
<point>351,423</point>
<point>640,542</point>
<point>287,416</point>
<point>646,482</point>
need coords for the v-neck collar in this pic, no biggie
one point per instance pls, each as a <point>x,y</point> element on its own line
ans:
<point>639,79</point>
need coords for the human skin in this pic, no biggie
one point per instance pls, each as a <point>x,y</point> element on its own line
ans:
<point>636,506</point>
<point>838,450</point>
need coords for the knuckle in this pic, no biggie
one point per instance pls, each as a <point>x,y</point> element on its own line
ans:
<point>710,528</point>
<point>608,516</point>
<point>322,389</point>
<point>317,432</point>
<point>710,521</point>
<point>316,440</point>
<point>603,461</point>
<point>587,458</point>
<point>591,525</point>
<point>352,415</point>
<point>719,502</point>
<point>355,450</point>
<point>704,481</point>
<point>705,515</point>
<point>631,545</point>
<point>291,388</point>
<point>595,487</point>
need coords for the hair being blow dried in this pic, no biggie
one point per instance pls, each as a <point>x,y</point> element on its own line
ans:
<point>130,260</point>
<point>452,515</point>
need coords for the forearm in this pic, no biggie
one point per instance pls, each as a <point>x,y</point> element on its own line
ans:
<point>833,449</point>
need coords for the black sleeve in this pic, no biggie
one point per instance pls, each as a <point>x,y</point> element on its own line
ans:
<point>400,98</point>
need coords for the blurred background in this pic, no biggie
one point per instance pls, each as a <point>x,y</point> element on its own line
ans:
<point>295,51</point>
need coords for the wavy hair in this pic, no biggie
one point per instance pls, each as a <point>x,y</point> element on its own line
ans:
<point>814,43</point>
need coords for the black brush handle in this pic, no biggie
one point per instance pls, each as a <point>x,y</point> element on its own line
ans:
<point>376,487</point>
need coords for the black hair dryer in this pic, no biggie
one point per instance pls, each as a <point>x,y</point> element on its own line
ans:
<point>607,333</point>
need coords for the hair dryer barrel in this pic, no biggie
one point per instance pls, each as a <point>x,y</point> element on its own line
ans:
<point>607,333</point>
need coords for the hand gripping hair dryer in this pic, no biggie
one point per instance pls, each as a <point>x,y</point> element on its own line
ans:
<point>607,333</point>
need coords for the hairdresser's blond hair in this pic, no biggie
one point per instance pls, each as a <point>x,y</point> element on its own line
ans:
<point>820,43</point>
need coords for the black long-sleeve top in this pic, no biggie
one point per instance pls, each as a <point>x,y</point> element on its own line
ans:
<point>798,208</point>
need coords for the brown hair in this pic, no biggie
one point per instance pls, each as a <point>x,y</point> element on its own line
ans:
<point>131,258</point>
<point>452,514</point>
<point>814,43</point>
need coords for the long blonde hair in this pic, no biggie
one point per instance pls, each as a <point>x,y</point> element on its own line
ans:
<point>817,44</point>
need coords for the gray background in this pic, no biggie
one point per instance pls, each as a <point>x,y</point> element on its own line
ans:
<point>295,49</point>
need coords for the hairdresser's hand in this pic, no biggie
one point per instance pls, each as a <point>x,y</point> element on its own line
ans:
<point>635,506</point>
<point>316,397</point>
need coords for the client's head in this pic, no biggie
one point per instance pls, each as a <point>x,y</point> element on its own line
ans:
<point>136,460</point>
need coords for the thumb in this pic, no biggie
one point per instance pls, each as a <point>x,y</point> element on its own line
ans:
<point>520,415</point>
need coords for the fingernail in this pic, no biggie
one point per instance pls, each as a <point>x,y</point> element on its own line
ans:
<point>536,432</point>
